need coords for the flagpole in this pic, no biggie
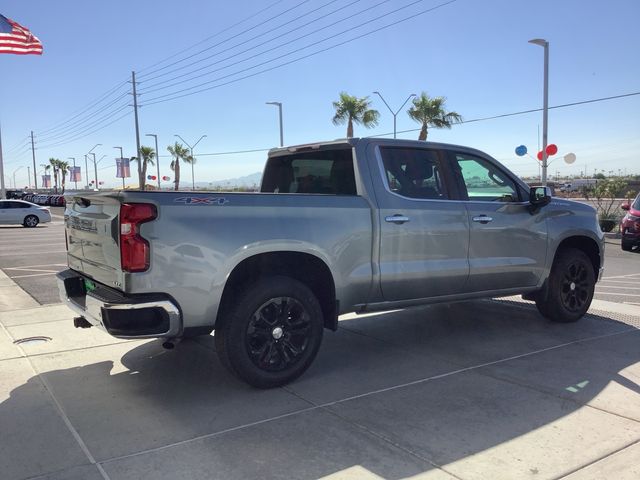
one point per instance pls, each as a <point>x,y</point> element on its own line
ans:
<point>2,190</point>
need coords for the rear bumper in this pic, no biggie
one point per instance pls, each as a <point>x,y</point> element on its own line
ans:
<point>120,315</point>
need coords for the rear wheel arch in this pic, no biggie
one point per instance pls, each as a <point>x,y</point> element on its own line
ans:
<point>303,267</point>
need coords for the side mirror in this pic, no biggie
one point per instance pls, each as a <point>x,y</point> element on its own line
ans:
<point>625,206</point>
<point>540,196</point>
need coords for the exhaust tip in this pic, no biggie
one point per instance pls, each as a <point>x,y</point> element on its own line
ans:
<point>168,345</point>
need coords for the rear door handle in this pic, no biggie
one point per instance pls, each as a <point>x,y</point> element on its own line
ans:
<point>399,219</point>
<point>482,219</point>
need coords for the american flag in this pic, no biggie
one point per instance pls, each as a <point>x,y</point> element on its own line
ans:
<point>46,181</point>
<point>14,38</point>
<point>75,174</point>
<point>122,168</point>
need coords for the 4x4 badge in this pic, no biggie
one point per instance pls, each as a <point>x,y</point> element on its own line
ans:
<point>202,200</point>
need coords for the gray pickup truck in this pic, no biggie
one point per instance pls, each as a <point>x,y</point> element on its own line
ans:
<point>347,226</point>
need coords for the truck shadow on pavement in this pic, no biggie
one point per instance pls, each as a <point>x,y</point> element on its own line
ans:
<point>393,395</point>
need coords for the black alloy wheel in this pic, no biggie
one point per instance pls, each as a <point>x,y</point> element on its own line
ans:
<point>278,334</point>
<point>576,286</point>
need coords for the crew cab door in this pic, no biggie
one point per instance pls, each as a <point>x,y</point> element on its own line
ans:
<point>508,244</point>
<point>424,237</point>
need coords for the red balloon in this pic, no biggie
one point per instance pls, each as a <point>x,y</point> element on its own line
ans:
<point>552,149</point>
<point>153,177</point>
<point>540,155</point>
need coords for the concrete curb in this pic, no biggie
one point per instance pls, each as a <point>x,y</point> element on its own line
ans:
<point>12,297</point>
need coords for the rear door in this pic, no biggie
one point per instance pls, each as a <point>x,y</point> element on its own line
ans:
<point>92,236</point>
<point>508,244</point>
<point>424,236</point>
<point>17,211</point>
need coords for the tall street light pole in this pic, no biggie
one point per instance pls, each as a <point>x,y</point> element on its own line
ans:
<point>86,170</point>
<point>193,181</point>
<point>155,137</point>
<point>121,169</point>
<point>395,114</point>
<point>279,105</point>
<point>545,106</point>
<point>74,171</point>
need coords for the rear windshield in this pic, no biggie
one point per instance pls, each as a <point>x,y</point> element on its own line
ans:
<point>320,171</point>
<point>636,203</point>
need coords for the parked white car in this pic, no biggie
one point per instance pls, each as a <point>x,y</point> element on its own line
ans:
<point>19,212</point>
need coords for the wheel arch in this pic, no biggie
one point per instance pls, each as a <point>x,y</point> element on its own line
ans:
<point>303,267</point>
<point>587,245</point>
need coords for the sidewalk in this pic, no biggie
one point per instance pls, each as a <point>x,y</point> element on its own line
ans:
<point>476,390</point>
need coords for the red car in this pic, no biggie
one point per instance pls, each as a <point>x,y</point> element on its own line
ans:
<point>630,225</point>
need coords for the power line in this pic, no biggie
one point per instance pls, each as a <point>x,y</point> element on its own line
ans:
<point>175,95</point>
<point>227,39</point>
<point>247,41</point>
<point>210,37</point>
<point>71,128</point>
<point>522,112</point>
<point>89,107</point>
<point>83,135</point>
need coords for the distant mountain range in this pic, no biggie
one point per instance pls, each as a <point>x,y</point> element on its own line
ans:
<point>246,181</point>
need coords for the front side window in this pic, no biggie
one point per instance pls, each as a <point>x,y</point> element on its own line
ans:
<point>414,172</point>
<point>484,182</point>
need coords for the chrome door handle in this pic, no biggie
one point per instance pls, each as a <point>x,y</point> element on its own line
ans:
<point>482,219</point>
<point>399,219</point>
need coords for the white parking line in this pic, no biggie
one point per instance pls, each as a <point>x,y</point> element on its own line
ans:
<point>622,282</point>
<point>29,253</point>
<point>33,275</point>
<point>630,276</point>
<point>617,293</point>
<point>618,286</point>
<point>36,266</point>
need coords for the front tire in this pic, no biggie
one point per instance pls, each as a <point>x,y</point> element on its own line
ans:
<point>570,287</point>
<point>271,333</point>
<point>626,246</point>
<point>30,221</point>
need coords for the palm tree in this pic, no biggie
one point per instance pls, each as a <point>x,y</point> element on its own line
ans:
<point>55,165</point>
<point>179,152</point>
<point>147,154</point>
<point>63,166</point>
<point>354,110</point>
<point>430,112</point>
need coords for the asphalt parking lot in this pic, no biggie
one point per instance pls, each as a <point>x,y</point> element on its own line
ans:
<point>476,390</point>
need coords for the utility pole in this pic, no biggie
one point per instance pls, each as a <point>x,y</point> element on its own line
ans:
<point>2,191</point>
<point>33,155</point>
<point>29,176</point>
<point>135,114</point>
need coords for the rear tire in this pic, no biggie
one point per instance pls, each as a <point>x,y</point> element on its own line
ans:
<point>271,333</point>
<point>570,287</point>
<point>626,246</point>
<point>30,221</point>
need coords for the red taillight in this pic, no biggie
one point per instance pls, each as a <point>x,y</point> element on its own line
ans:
<point>134,250</point>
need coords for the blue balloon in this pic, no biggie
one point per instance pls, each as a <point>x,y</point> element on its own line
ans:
<point>521,150</point>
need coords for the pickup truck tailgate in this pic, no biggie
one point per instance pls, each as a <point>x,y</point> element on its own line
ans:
<point>91,225</point>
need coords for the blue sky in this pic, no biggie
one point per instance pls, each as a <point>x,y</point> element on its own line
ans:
<point>473,52</point>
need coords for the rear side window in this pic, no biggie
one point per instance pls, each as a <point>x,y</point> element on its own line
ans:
<point>320,171</point>
<point>414,172</point>
<point>18,205</point>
